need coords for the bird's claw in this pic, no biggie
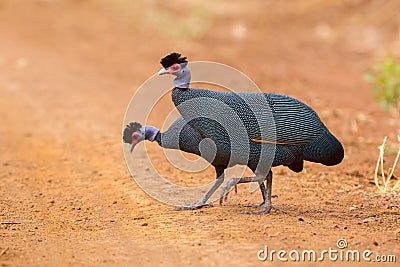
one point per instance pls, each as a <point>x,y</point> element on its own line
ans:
<point>193,207</point>
<point>259,205</point>
<point>227,188</point>
<point>266,210</point>
<point>254,205</point>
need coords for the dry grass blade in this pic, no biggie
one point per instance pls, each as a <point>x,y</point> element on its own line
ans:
<point>386,180</point>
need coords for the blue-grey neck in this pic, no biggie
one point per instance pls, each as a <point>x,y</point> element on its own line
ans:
<point>150,133</point>
<point>183,78</point>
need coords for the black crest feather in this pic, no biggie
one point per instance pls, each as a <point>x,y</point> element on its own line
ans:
<point>171,59</point>
<point>129,130</point>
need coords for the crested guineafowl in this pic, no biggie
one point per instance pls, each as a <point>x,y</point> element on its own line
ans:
<point>299,134</point>
<point>180,135</point>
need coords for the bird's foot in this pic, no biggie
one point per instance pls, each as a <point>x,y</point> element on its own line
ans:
<point>266,210</point>
<point>258,205</point>
<point>227,188</point>
<point>254,205</point>
<point>193,207</point>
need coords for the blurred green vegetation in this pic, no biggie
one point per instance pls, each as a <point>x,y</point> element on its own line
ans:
<point>385,79</point>
<point>390,150</point>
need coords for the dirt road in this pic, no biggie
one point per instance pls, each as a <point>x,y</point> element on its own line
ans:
<point>67,72</point>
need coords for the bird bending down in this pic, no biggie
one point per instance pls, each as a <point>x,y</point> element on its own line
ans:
<point>180,135</point>
<point>300,134</point>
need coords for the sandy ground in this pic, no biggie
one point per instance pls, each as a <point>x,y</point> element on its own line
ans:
<point>67,72</point>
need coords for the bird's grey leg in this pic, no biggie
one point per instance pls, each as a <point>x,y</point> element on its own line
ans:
<point>268,203</point>
<point>263,193</point>
<point>234,181</point>
<point>202,202</point>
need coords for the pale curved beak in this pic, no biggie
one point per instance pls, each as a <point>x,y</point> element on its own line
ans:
<point>131,147</point>
<point>163,71</point>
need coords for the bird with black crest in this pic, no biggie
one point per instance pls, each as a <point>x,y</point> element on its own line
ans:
<point>287,129</point>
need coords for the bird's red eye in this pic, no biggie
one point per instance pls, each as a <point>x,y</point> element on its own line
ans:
<point>174,68</point>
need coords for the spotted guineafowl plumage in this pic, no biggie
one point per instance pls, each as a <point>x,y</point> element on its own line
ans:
<point>292,131</point>
<point>180,135</point>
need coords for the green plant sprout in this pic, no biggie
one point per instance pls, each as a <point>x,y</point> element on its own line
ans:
<point>383,184</point>
<point>385,79</point>
<point>390,150</point>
